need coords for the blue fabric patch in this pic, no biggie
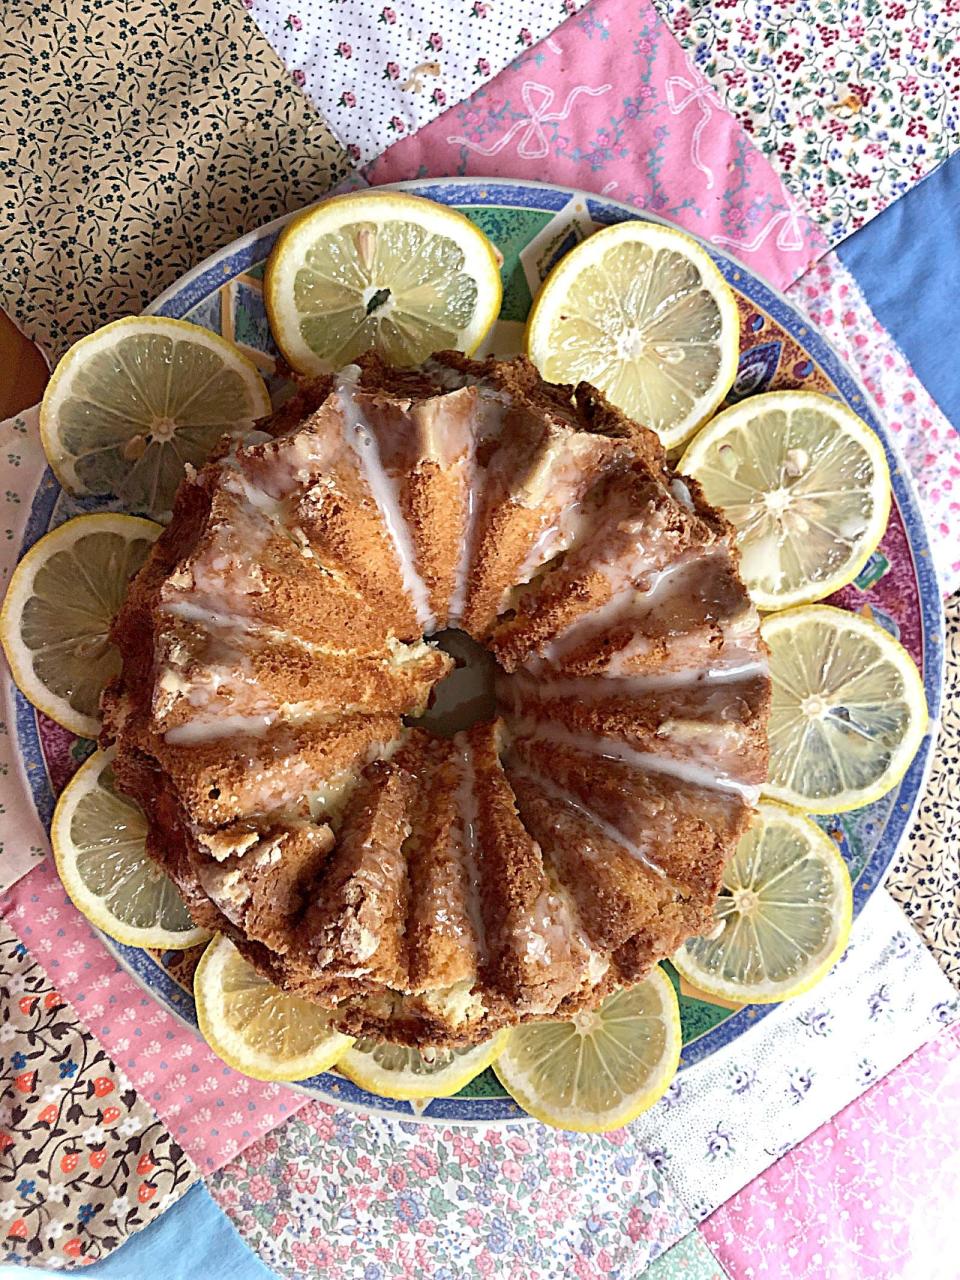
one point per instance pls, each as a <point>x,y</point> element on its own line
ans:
<point>193,1238</point>
<point>907,263</point>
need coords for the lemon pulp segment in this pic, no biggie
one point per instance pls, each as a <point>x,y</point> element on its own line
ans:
<point>641,312</point>
<point>58,609</point>
<point>257,1028</point>
<point>782,917</point>
<point>383,270</point>
<point>806,484</point>
<point>848,709</point>
<point>99,844</point>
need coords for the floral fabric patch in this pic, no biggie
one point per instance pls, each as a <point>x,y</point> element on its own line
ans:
<point>925,875</point>
<point>84,1162</point>
<point>852,100</point>
<point>212,1110</point>
<point>726,1119</point>
<point>872,1194</point>
<point>689,1259</point>
<point>140,137</point>
<point>333,1193</point>
<point>831,297</point>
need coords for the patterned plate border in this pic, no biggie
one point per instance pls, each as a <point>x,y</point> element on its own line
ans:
<point>238,257</point>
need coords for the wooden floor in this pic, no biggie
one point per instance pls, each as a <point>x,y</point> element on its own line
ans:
<point>23,370</point>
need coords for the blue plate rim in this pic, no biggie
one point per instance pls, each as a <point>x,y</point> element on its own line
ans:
<point>249,249</point>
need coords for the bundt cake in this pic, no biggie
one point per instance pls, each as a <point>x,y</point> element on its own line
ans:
<point>282,713</point>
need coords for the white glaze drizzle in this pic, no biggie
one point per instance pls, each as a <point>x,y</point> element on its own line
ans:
<point>612,833</point>
<point>624,599</point>
<point>359,435</point>
<point>289,714</point>
<point>210,620</point>
<point>444,427</point>
<point>197,731</point>
<point>458,597</point>
<point>491,407</point>
<point>264,504</point>
<point>604,685</point>
<point>555,537</point>
<point>609,749</point>
<point>682,493</point>
<point>467,843</point>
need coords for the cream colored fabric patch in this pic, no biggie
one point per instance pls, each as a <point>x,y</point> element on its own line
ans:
<point>134,140</point>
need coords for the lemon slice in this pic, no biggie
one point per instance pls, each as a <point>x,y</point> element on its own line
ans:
<point>601,1069</point>
<point>642,313</point>
<point>384,270</point>
<point>254,1026</point>
<point>130,405</point>
<point>99,844</point>
<point>848,709</point>
<point>806,484</point>
<point>57,612</point>
<point>783,914</point>
<point>396,1071</point>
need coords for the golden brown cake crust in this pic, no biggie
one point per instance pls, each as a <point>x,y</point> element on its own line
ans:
<point>276,647</point>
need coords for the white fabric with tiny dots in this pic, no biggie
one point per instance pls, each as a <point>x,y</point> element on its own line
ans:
<point>727,1119</point>
<point>381,69</point>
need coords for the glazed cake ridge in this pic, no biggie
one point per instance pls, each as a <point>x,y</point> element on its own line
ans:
<point>277,653</point>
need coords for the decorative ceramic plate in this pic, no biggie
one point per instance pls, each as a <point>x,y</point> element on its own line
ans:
<point>533,226</point>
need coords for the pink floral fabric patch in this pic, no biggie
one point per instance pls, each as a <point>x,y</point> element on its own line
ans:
<point>610,103</point>
<point>332,1193</point>
<point>852,100</point>
<point>870,1194</point>
<point>831,297</point>
<point>211,1110</point>
<point>84,1162</point>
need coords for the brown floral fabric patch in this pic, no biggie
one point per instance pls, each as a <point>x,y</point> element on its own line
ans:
<point>925,875</point>
<point>134,140</point>
<point>84,1163</point>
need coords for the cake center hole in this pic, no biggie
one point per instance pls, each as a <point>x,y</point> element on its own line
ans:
<point>464,696</point>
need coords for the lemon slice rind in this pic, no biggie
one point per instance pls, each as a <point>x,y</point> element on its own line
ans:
<point>222,965</point>
<point>653,998</point>
<point>777,626</point>
<point>406,1083</point>
<point>700,461</point>
<point>299,237</point>
<point>588,256</point>
<point>130,860</point>
<point>63,461</point>
<point>21,590</point>
<point>695,970</point>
